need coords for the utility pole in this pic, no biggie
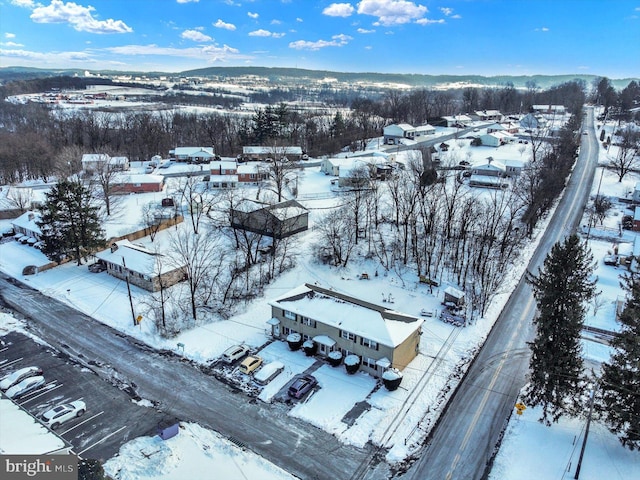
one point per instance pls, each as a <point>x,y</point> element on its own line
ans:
<point>586,434</point>
<point>126,277</point>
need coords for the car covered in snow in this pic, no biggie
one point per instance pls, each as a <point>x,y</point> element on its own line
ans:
<point>301,386</point>
<point>25,386</point>
<point>98,267</point>
<point>268,372</point>
<point>56,416</point>
<point>12,378</point>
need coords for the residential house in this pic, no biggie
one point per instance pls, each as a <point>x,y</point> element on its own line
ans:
<point>96,162</point>
<point>279,220</point>
<point>488,115</point>
<point>459,121</point>
<point>513,167</point>
<point>16,200</point>
<point>139,183</point>
<point>532,122</point>
<point>223,167</point>
<point>143,267</point>
<point>26,225</point>
<point>251,173</point>
<point>393,134</point>
<point>496,139</point>
<point>636,193</point>
<point>549,109</point>
<point>425,131</point>
<point>489,167</point>
<point>192,154</point>
<point>503,128</point>
<point>331,166</point>
<point>258,153</point>
<point>381,337</point>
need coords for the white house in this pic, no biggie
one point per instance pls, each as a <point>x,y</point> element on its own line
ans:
<point>425,130</point>
<point>457,120</point>
<point>496,139</point>
<point>549,109</point>
<point>258,152</point>
<point>331,166</point>
<point>488,115</point>
<point>93,162</point>
<point>192,154</point>
<point>26,224</point>
<point>490,168</point>
<point>394,133</point>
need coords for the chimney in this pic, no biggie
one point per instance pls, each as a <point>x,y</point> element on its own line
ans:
<point>114,247</point>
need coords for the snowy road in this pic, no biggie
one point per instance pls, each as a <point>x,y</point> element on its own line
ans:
<point>463,443</point>
<point>183,390</point>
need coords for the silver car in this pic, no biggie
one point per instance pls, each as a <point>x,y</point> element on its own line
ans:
<point>56,416</point>
<point>25,386</point>
<point>11,379</point>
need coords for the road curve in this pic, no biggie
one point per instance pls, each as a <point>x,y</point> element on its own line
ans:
<point>464,440</point>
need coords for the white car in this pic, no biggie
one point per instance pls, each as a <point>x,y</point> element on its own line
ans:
<point>56,416</point>
<point>234,353</point>
<point>10,380</point>
<point>25,386</point>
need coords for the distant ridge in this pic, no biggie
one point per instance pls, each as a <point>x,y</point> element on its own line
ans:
<point>282,73</point>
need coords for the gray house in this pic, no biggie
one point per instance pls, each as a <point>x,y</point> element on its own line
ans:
<point>279,220</point>
<point>333,321</point>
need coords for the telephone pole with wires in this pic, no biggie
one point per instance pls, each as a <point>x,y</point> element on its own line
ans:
<point>586,433</point>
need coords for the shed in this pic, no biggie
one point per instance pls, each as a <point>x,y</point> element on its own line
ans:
<point>453,295</point>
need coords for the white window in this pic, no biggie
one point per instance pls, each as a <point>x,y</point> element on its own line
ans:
<point>369,343</point>
<point>309,322</point>
<point>289,315</point>
<point>369,362</point>
<point>348,335</point>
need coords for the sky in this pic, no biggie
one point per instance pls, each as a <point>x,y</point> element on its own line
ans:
<point>459,37</point>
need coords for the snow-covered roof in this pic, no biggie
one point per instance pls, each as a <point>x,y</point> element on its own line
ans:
<point>223,164</point>
<point>488,113</point>
<point>137,178</point>
<point>137,258</point>
<point>495,165</point>
<point>459,118</point>
<point>94,157</point>
<point>28,221</point>
<point>262,150</point>
<point>25,435</point>
<point>425,128</point>
<point>282,213</point>
<point>496,126</point>
<point>118,160</point>
<point>247,168</point>
<point>223,178</point>
<point>382,325</point>
<point>186,151</point>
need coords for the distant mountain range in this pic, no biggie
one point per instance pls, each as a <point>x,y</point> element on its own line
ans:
<point>278,74</point>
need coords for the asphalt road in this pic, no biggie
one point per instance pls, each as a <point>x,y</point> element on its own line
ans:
<point>466,437</point>
<point>182,390</point>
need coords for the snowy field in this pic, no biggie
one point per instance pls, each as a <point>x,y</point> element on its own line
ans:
<point>388,422</point>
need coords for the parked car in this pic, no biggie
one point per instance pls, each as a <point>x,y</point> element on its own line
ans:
<point>97,267</point>
<point>12,378</point>
<point>149,169</point>
<point>250,364</point>
<point>56,416</point>
<point>268,372</point>
<point>301,386</point>
<point>234,353</point>
<point>25,386</point>
<point>611,260</point>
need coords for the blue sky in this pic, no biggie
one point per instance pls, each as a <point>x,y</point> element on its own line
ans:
<point>485,37</point>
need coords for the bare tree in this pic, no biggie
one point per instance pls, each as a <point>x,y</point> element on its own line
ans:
<point>189,191</point>
<point>203,259</point>
<point>336,237</point>
<point>279,172</point>
<point>627,159</point>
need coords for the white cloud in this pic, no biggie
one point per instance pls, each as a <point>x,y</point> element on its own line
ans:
<point>23,3</point>
<point>339,10</point>
<point>364,30</point>
<point>207,52</point>
<point>265,33</point>
<point>196,36</point>
<point>47,57</point>
<point>456,16</point>
<point>446,11</point>
<point>9,35</point>
<point>253,15</point>
<point>336,41</point>
<point>428,21</point>
<point>11,44</point>
<point>79,17</point>
<point>188,1</point>
<point>392,12</point>
<point>299,19</point>
<point>225,25</point>
<point>542,29</point>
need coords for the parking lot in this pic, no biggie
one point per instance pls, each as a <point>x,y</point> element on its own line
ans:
<point>112,417</point>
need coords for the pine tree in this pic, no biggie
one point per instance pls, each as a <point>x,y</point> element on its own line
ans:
<point>620,384</point>
<point>70,222</point>
<point>561,289</point>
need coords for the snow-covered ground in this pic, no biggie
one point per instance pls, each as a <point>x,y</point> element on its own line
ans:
<point>387,422</point>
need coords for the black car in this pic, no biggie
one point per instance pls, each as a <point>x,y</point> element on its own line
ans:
<point>301,386</point>
<point>97,267</point>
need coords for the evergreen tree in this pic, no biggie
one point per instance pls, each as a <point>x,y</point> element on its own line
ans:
<point>620,402</point>
<point>70,222</point>
<point>561,289</point>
